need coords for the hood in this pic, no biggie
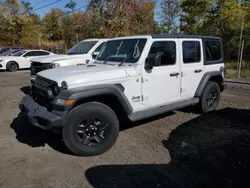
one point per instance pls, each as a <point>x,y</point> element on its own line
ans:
<point>82,74</point>
<point>9,57</point>
<point>53,58</point>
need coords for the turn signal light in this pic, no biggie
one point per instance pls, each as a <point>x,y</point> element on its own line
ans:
<point>69,102</point>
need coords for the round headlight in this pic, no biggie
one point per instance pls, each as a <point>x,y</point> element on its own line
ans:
<point>56,65</point>
<point>64,85</point>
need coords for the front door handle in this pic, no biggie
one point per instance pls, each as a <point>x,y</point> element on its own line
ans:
<point>174,74</point>
<point>198,71</point>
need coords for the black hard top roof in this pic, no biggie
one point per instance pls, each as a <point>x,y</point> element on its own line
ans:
<point>184,36</point>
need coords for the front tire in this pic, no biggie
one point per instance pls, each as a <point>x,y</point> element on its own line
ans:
<point>91,129</point>
<point>210,97</point>
<point>12,66</point>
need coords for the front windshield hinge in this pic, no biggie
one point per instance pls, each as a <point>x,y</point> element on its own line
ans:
<point>143,80</point>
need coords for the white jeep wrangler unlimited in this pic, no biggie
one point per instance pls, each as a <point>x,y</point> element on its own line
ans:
<point>82,53</point>
<point>134,77</point>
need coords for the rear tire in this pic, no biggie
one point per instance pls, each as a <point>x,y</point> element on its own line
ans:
<point>12,66</point>
<point>210,97</point>
<point>90,129</point>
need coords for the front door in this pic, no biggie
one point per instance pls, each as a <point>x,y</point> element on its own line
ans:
<point>161,85</point>
<point>191,66</point>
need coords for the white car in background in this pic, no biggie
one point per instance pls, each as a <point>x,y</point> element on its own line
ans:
<point>21,59</point>
<point>82,53</point>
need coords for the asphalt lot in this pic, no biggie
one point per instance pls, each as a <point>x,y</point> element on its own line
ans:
<point>178,149</point>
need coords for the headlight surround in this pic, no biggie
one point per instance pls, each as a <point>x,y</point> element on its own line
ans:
<point>55,90</point>
<point>56,65</point>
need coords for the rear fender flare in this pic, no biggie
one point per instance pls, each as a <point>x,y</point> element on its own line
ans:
<point>206,77</point>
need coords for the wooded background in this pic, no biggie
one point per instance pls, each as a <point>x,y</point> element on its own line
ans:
<point>20,25</point>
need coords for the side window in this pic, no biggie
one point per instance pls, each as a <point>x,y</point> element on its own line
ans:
<point>213,50</point>
<point>99,47</point>
<point>40,53</point>
<point>191,51</point>
<point>167,49</point>
<point>36,53</point>
<point>29,54</point>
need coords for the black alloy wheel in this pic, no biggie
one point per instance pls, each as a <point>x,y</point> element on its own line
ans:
<point>92,131</point>
<point>12,66</point>
<point>210,97</point>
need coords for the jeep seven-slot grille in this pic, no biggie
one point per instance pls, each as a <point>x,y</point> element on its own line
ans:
<point>36,67</point>
<point>42,91</point>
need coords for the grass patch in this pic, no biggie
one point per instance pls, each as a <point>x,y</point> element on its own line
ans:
<point>230,73</point>
<point>231,70</point>
<point>233,65</point>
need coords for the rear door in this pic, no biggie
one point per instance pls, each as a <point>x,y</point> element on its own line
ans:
<point>192,68</point>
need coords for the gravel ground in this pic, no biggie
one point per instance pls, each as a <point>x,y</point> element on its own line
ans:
<point>178,149</point>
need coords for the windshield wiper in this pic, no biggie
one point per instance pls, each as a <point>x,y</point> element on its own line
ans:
<point>126,58</point>
<point>105,62</point>
<point>132,51</point>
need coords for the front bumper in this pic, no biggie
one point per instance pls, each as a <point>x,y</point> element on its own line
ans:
<point>32,78</point>
<point>39,115</point>
<point>2,67</point>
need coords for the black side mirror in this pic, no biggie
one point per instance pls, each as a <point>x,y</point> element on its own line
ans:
<point>95,54</point>
<point>150,62</point>
<point>153,60</point>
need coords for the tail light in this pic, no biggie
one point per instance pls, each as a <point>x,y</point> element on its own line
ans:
<point>223,69</point>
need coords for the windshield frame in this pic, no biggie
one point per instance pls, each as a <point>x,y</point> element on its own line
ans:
<point>78,47</point>
<point>144,41</point>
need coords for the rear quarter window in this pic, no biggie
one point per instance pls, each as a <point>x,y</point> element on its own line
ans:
<point>213,51</point>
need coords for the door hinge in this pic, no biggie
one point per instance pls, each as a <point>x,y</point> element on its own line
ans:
<point>182,90</point>
<point>183,74</point>
<point>144,97</point>
<point>143,79</point>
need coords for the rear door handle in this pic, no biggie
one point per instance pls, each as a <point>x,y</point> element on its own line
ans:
<point>174,74</point>
<point>198,71</point>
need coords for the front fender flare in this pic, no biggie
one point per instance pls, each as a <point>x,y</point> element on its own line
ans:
<point>99,90</point>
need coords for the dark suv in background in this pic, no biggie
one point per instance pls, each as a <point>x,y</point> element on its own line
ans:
<point>7,48</point>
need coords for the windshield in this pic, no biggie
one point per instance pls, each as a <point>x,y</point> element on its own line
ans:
<point>20,53</point>
<point>13,52</point>
<point>5,49</point>
<point>6,53</point>
<point>82,47</point>
<point>127,50</point>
